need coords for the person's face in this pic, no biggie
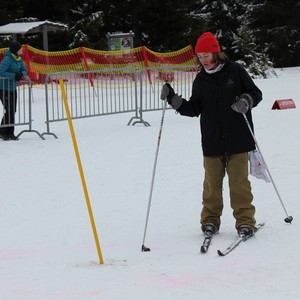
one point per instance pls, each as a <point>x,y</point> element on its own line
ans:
<point>206,60</point>
<point>20,51</point>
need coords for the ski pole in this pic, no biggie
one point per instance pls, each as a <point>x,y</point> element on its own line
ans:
<point>288,218</point>
<point>144,248</point>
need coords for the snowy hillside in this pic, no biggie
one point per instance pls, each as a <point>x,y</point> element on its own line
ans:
<point>47,245</point>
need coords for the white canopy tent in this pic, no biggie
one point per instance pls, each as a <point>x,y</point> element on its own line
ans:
<point>30,28</point>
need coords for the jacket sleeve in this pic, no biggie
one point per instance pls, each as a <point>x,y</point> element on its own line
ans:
<point>249,87</point>
<point>23,69</point>
<point>4,66</point>
<point>193,107</point>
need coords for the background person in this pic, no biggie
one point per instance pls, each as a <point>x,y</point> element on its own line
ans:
<point>12,70</point>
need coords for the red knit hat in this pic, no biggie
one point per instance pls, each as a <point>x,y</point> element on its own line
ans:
<point>207,42</point>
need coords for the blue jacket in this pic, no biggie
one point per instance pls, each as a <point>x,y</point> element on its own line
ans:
<point>9,67</point>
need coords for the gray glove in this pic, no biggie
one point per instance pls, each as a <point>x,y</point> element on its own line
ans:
<point>244,103</point>
<point>167,92</point>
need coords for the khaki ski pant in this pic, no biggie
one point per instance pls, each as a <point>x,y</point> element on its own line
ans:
<point>236,166</point>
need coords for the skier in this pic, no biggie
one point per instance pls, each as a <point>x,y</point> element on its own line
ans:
<point>222,91</point>
<point>12,70</point>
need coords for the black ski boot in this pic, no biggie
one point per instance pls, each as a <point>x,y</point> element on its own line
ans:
<point>209,228</point>
<point>245,231</point>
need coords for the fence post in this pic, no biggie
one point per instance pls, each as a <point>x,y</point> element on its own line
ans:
<point>64,96</point>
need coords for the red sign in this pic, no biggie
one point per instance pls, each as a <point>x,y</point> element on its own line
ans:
<point>284,104</point>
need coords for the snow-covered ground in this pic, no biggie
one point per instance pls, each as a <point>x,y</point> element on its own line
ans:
<point>47,244</point>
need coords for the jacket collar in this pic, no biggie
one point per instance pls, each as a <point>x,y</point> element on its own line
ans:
<point>15,57</point>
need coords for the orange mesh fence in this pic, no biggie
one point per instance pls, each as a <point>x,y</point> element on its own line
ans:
<point>2,53</point>
<point>99,60</point>
<point>183,57</point>
<point>40,63</point>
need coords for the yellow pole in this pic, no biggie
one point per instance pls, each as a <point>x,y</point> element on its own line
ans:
<point>61,82</point>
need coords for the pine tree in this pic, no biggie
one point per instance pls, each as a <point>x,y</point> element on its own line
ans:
<point>86,31</point>
<point>222,19</point>
<point>250,32</point>
<point>231,22</point>
<point>159,25</point>
<point>277,29</point>
<point>10,10</point>
<point>253,57</point>
<point>256,62</point>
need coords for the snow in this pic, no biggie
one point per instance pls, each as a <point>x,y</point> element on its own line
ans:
<point>24,27</point>
<point>47,244</point>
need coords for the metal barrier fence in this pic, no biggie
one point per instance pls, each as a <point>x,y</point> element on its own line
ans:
<point>112,91</point>
<point>150,84</point>
<point>16,107</point>
<point>90,93</point>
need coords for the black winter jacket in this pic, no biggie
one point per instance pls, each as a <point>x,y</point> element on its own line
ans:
<point>223,130</point>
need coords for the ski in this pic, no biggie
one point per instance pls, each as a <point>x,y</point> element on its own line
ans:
<point>237,241</point>
<point>206,242</point>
